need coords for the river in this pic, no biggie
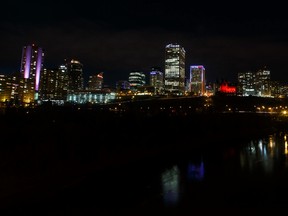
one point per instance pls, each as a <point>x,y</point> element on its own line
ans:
<point>250,178</point>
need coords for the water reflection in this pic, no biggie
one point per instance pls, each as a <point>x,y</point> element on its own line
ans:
<point>196,171</point>
<point>285,145</point>
<point>263,154</point>
<point>170,185</point>
<point>228,173</point>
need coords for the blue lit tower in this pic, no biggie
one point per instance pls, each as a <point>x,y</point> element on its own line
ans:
<point>174,69</point>
<point>31,67</point>
<point>197,80</point>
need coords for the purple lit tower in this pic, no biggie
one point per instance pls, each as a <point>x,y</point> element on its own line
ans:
<point>31,67</point>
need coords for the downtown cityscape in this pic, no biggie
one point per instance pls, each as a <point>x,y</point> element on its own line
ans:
<point>144,107</point>
<point>166,141</point>
<point>34,84</point>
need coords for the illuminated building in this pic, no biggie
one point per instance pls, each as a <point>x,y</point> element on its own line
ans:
<point>95,82</point>
<point>246,84</point>
<point>75,76</point>
<point>63,82</point>
<point>255,83</point>
<point>197,80</point>
<point>122,85</point>
<point>174,69</point>
<point>226,89</point>
<point>47,87</point>
<point>31,67</point>
<point>93,96</point>
<point>3,95</point>
<point>53,84</point>
<point>262,84</point>
<point>136,78</point>
<point>157,80</point>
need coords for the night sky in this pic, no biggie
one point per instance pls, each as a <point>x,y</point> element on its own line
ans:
<point>116,37</point>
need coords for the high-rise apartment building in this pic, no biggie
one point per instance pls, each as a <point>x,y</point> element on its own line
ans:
<point>255,83</point>
<point>263,82</point>
<point>95,82</point>
<point>75,76</point>
<point>63,84</point>
<point>53,85</point>
<point>31,67</point>
<point>197,80</point>
<point>157,80</point>
<point>174,69</point>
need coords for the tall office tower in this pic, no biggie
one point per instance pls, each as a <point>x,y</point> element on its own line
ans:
<point>48,82</point>
<point>246,84</point>
<point>156,80</point>
<point>174,69</point>
<point>95,82</point>
<point>63,81</point>
<point>197,80</point>
<point>263,82</point>
<point>136,78</point>
<point>75,76</point>
<point>31,67</point>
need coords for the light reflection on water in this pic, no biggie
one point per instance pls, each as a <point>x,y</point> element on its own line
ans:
<point>170,185</point>
<point>263,154</point>
<point>251,175</point>
<point>196,171</point>
<point>263,159</point>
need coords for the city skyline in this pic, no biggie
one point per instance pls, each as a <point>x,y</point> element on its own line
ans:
<point>125,76</point>
<point>117,38</point>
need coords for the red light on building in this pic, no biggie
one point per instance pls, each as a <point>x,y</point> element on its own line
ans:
<point>100,75</point>
<point>225,88</point>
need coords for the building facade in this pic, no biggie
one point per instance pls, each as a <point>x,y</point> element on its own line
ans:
<point>95,82</point>
<point>255,83</point>
<point>263,82</point>
<point>53,85</point>
<point>157,80</point>
<point>31,68</point>
<point>136,78</point>
<point>197,80</point>
<point>75,76</point>
<point>174,70</point>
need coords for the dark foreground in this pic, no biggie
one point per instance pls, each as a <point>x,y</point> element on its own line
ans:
<point>74,162</point>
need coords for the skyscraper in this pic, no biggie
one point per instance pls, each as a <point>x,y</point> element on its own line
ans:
<point>53,85</point>
<point>31,67</point>
<point>174,69</point>
<point>197,80</point>
<point>263,81</point>
<point>75,76</point>
<point>156,80</point>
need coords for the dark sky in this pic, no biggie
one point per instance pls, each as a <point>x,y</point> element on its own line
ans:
<point>117,37</point>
